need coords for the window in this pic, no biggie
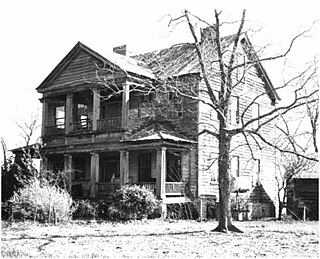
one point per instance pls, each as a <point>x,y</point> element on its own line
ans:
<point>145,168</point>
<point>256,172</point>
<point>60,116</point>
<point>173,166</point>
<point>214,171</point>
<point>234,110</point>
<point>235,166</point>
<point>255,113</point>
<point>241,71</point>
<point>177,103</point>
<point>111,110</point>
<point>82,112</point>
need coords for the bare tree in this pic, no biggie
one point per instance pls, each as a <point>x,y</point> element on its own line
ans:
<point>223,68</point>
<point>29,128</point>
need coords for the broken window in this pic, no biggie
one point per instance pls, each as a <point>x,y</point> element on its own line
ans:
<point>60,116</point>
<point>177,104</point>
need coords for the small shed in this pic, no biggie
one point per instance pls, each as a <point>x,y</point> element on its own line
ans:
<point>303,196</point>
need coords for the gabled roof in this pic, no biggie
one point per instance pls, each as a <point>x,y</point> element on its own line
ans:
<point>120,62</point>
<point>157,132</point>
<point>182,59</point>
<point>178,60</point>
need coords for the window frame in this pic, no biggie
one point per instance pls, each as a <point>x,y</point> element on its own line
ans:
<point>237,170</point>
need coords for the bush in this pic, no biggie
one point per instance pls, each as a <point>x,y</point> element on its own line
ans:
<point>40,200</point>
<point>188,210</point>
<point>85,210</point>
<point>132,202</point>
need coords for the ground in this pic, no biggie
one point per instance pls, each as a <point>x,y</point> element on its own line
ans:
<point>160,238</point>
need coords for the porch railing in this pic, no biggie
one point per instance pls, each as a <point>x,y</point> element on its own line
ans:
<point>171,188</point>
<point>175,188</point>
<point>149,186</point>
<point>54,129</point>
<point>81,125</point>
<point>104,189</point>
<point>109,124</point>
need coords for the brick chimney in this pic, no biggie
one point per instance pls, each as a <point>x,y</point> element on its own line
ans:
<point>207,34</point>
<point>122,50</point>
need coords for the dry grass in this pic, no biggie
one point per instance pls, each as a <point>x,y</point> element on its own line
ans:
<point>157,238</point>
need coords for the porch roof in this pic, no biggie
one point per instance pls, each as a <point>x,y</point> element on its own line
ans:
<point>157,132</point>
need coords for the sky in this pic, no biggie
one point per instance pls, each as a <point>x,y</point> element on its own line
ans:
<point>36,35</point>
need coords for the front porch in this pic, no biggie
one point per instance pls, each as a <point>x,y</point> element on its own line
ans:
<point>164,171</point>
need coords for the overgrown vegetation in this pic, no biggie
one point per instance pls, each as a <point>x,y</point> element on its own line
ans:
<point>40,200</point>
<point>132,202</point>
<point>85,210</point>
<point>188,210</point>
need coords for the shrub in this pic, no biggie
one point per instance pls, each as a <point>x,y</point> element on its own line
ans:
<point>132,202</point>
<point>41,200</point>
<point>85,210</point>
<point>188,210</point>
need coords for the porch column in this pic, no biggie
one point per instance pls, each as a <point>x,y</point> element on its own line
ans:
<point>96,108</point>
<point>125,105</point>
<point>44,115</point>
<point>124,167</point>
<point>161,167</point>
<point>69,107</point>
<point>94,173</point>
<point>68,170</point>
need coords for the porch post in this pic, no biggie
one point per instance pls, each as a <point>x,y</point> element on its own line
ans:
<point>124,167</point>
<point>94,173</point>
<point>44,116</point>
<point>96,108</point>
<point>69,107</point>
<point>68,170</point>
<point>125,105</point>
<point>44,164</point>
<point>161,167</point>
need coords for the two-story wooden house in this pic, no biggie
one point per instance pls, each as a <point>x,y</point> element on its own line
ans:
<point>103,140</point>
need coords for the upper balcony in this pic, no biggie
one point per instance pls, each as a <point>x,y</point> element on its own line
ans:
<point>82,112</point>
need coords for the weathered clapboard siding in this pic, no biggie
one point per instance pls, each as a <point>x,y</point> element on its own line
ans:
<point>81,69</point>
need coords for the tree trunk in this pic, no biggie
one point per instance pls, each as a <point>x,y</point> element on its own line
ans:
<point>225,218</point>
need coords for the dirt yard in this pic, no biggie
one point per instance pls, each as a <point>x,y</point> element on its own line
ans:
<point>157,238</point>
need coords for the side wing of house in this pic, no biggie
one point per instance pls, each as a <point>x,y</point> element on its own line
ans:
<point>248,171</point>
